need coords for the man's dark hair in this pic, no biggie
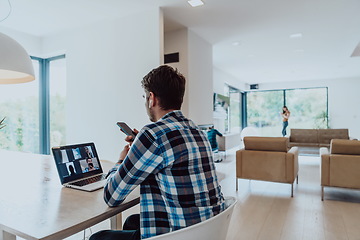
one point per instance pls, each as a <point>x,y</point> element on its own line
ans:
<point>167,84</point>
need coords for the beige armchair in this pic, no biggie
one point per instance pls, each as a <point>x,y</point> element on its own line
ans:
<point>267,159</point>
<point>340,167</point>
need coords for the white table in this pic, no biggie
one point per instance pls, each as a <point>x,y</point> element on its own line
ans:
<point>34,205</point>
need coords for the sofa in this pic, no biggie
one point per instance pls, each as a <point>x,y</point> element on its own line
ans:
<point>340,166</point>
<point>267,159</point>
<point>315,137</point>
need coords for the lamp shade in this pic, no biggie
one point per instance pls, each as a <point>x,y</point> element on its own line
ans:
<point>15,63</point>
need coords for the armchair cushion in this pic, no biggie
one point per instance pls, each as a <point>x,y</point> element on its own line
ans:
<point>347,147</point>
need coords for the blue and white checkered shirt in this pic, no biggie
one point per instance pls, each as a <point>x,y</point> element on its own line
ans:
<point>172,162</point>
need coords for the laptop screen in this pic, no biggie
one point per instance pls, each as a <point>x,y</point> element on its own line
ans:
<point>76,161</point>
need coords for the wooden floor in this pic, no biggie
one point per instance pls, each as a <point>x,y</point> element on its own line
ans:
<point>265,210</point>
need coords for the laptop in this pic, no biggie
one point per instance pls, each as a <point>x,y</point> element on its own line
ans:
<point>79,167</point>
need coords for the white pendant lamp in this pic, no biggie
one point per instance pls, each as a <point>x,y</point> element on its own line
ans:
<point>15,63</point>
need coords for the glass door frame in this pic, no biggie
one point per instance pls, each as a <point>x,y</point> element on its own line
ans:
<point>44,102</point>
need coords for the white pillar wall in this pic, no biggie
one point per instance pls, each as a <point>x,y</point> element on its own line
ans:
<point>195,63</point>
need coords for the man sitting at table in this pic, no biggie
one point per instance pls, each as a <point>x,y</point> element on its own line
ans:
<point>171,159</point>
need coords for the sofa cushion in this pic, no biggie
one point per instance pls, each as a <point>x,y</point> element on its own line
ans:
<point>276,144</point>
<point>304,135</point>
<point>347,147</point>
<point>325,135</point>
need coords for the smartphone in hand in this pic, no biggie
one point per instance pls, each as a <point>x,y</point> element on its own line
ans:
<point>126,129</point>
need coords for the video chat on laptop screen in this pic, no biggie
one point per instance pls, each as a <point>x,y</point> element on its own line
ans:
<point>76,161</point>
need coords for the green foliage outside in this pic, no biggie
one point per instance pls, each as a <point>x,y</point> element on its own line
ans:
<point>235,112</point>
<point>57,120</point>
<point>22,125</point>
<point>308,108</point>
<point>21,132</point>
<point>263,108</point>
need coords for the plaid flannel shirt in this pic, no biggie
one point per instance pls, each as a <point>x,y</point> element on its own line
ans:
<point>172,162</point>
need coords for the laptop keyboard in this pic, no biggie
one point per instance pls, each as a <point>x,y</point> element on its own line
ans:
<point>89,180</point>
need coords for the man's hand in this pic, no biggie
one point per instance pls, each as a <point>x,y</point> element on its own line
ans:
<point>124,152</point>
<point>130,138</point>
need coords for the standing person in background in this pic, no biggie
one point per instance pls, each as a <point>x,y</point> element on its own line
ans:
<point>285,115</point>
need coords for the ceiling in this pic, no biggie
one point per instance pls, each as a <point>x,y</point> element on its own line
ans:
<point>251,38</point>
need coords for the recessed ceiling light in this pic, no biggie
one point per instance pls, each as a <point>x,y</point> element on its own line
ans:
<point>195,3</point>
<point>296,35</point>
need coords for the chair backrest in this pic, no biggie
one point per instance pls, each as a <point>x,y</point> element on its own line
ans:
<point>345,147</point>
<point>274,144</point>
<point>215,228</point>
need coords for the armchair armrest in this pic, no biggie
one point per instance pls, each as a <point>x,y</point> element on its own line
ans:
<point>325,166</point>
<point>292,166</point>
<point>239,162</point>
<point>294,150</point>
<point>324,151</point>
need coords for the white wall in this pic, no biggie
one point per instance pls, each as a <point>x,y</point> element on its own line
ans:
<point>343,95</point>
<point>195,63</point>
<point>105,65</point>
<point>176,41</point>
<point>32,44</point>
<point>200,87</point>
<point>221,78</point>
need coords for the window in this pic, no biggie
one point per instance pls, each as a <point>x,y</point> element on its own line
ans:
<point>308,109</point>
<point>263,111</point>
<point>227,113</point>
<point>57,86</point>
<point>27,111</point>
<point>19,103</point>
<point>235,110</point>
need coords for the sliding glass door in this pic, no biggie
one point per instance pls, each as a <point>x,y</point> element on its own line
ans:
<point>235,110</point>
